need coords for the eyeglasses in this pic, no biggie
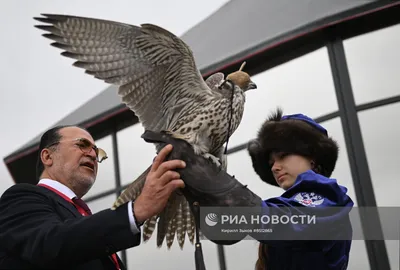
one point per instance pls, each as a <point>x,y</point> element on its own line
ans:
<point>86,146</point>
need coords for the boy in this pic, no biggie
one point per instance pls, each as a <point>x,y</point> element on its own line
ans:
<point>295,153</point>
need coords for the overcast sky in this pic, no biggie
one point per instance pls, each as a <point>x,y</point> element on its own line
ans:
<point>39,87</point>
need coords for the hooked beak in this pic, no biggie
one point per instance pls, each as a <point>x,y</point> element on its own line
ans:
<point>251,86</point>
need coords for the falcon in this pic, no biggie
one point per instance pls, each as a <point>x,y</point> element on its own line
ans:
<point>157,78</point>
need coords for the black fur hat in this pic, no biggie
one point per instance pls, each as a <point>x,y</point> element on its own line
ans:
<point>297,134</point>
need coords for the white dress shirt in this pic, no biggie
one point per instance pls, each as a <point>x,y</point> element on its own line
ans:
<point>70,194</point>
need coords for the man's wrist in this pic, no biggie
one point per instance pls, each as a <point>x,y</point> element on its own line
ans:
<point>138,220</point>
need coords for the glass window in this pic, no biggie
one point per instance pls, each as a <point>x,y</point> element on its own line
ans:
<point>239,164</point>
<point>392,248</point>
<point>342,172</point>
<point>105,175</point>
<point>175,258</point>
<point>242,255</point>
<point>373,60</point>
<point>135,155</point>
<point>102,203</point>
<point>380,133</point>
<point>302,85</point>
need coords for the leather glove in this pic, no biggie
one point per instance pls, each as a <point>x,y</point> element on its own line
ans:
<point>205,183</point>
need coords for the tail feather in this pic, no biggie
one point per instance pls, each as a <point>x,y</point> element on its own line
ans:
<point>171,233</point>
<point>176,218</point>
<point>132,191</point>
<point>148,228</point>
<point>166,216</point>
<point>172,221</point>
<point>191,226</point>
<point>187,220</point>
<point>180,226</point>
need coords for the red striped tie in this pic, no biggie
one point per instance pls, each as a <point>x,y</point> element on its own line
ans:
<point>82,204</point>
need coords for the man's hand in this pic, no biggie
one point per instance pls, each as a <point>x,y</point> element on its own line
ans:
<point>161,181</point>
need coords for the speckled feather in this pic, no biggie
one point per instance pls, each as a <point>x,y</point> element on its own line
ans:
<point>158,80</point>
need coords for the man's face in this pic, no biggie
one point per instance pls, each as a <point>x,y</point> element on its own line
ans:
<point>286,167</point>
<point>71,165</point>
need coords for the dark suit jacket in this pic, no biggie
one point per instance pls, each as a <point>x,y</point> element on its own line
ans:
<point>40,230</point>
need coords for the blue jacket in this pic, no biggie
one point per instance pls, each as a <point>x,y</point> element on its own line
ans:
<point>314,192</point>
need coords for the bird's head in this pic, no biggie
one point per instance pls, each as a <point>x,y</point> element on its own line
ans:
<point>242,79</point>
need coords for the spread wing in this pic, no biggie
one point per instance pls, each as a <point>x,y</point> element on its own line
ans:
<point>155,70</point>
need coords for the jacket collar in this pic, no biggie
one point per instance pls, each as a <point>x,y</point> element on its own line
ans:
<point>64,190</point>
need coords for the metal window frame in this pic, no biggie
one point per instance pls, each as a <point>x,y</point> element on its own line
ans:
<point>335,114</point>
<point>376,249</point>
<point>117,177</point>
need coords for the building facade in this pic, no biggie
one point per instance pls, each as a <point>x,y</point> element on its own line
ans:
<point>336,62</point>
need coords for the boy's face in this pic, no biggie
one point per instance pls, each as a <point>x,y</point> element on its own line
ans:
<point>286,167</point>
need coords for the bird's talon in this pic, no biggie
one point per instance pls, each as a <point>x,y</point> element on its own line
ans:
<point>213,159</point>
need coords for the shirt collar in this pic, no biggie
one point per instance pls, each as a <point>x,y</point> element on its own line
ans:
<point>59,187</point>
